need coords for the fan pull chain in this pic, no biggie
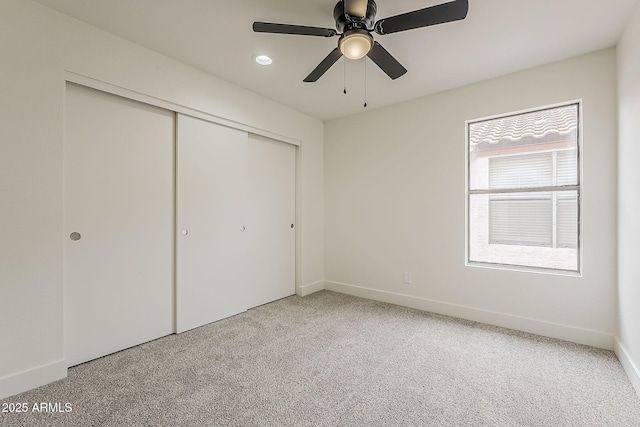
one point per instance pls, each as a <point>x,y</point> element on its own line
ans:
<point>344,76</point>
<point>365,82</point>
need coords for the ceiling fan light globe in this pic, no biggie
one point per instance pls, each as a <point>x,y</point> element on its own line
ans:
<point>355,44</point>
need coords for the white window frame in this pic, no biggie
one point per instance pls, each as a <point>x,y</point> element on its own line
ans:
<point>554,189</point>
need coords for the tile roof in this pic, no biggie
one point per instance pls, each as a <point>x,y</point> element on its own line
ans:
<point>538,125</point>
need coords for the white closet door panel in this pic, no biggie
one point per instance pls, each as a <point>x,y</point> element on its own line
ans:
<point>118,180</point>
<point>272,206</point>
<point>211,243</point>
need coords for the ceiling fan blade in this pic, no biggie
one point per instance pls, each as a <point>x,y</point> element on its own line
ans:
<point>324,66</point>
<point>356,8</point>
<point>386,62</point>
<point>268,27</point>
<point>446,12</point>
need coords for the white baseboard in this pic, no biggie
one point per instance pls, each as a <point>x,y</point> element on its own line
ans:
<point>534,326</point>
<point>632,370</point>
<point>310,288</point>
<point>32,378</point>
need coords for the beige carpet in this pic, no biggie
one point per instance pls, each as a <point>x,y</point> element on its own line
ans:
<point>335,360</point>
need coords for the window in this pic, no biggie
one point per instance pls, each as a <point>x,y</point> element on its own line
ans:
<point>523,189</point>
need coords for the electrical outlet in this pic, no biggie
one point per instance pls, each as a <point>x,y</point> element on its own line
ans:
<point>406,278</point>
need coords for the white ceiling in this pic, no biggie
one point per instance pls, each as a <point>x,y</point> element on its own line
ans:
<point>497,37</point>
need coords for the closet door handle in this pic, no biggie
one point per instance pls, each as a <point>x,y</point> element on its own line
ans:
<point>75,236</point>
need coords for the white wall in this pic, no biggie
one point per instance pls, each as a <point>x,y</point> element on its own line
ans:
<point>628,348</point>
<point>37,45</point>
<point>395,202</point>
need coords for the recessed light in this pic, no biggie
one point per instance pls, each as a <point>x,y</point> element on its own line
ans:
<point>263,60</point>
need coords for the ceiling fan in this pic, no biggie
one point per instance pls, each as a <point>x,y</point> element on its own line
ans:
<point>355,22</point>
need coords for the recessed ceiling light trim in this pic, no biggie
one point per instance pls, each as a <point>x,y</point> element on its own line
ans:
<point>263,60</point>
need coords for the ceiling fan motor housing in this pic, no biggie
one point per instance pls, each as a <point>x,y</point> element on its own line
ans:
<point>345,22</point>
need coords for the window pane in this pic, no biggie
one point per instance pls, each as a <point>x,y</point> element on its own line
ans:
<point>482,250</point>
<point>532,137</point>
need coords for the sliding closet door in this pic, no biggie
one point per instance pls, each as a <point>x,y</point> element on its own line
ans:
<point>118,223</point>
<point>272,209</point>
<point>211,212</point>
